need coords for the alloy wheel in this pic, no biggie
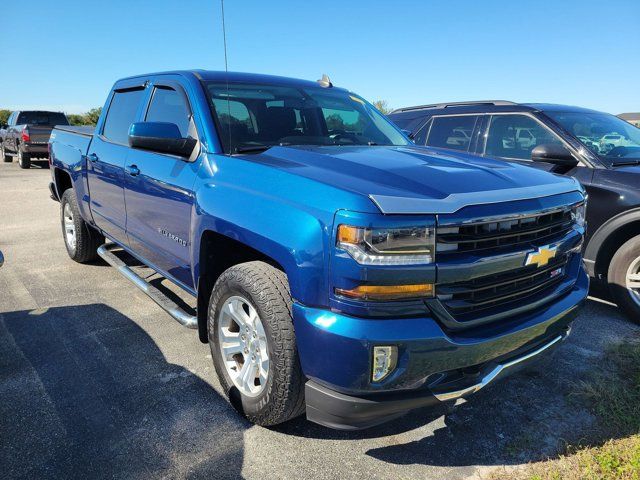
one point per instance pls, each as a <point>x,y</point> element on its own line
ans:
<point>633,280</point>
<point>69,227</point>
<point>243,345</point>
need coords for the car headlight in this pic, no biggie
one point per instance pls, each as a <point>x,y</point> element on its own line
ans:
<point>388,246</point>
<point>578,214</point>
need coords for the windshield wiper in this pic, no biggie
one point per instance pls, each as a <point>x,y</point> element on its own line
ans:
<point>253,148</point>
<point>260,148</point>
<point>626,162</point>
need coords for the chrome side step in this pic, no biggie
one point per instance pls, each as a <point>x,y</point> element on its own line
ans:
<point>168,305</point>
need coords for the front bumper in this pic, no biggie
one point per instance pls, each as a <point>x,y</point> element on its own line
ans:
<point>434,365</point>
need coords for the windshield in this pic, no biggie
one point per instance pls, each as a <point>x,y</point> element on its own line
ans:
<point>42,118</point>
<point>612,139</point>
<point>252,118</point>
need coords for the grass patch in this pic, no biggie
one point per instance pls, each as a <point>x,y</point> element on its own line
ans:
<point>613,394</point>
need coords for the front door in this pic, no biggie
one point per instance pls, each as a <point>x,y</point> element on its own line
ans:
<point>159,191</point>
<point>106,160</point>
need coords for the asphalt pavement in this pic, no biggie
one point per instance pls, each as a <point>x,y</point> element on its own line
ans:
<point>96,381</point>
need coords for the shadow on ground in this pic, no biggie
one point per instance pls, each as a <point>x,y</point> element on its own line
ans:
<point>528,416</point>
<point>86,393</point>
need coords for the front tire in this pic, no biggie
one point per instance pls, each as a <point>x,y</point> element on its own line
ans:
<point>250,326</point>
<point>82,240</point>
<point>624,278</point>
<point>24,160</point>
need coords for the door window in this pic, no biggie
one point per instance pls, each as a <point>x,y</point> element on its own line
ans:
<point>515,136</point>
<point>167,105</point>
<point>122,113</point>
<point>452,132</point>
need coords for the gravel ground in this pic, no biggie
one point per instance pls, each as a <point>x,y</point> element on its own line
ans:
<point>96,380</point>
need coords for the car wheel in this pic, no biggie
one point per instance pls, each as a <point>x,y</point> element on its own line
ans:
<point>82,240</point>
<point>624,278</point>
<point>3,156</point>
<point>253,343</point>
<point>24,160</point>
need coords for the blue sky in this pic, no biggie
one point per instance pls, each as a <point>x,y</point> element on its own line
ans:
<point>66,54</point>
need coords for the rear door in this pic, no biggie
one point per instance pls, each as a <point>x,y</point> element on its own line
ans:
<point>455,132</point>
<point>159,189</point>
<point>106,160</point>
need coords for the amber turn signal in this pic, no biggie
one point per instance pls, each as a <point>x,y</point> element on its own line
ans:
<point>387,292</point>
<point>349,234</point>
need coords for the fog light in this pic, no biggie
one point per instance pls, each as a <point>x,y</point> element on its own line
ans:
<point>384,362</point>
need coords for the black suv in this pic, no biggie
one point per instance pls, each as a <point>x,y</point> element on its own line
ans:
<point>600,150</point>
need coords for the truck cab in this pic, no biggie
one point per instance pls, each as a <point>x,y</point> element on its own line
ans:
<point>336,268</point>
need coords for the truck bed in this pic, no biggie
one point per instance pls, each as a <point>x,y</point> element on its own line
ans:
<point>70,143</point>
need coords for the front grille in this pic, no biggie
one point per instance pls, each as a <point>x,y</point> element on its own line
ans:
<point>490,294</point>
<point>504,233</point>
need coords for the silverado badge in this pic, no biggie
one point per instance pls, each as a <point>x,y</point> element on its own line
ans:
<point>541,256</point>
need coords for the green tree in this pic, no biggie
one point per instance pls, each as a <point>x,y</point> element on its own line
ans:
<point>92,116</point>
<point>75,119</point>
<point>383,106</point>
<point>89,118</point>
<point>4,116</point>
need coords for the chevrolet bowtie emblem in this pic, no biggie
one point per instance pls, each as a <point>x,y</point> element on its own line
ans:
<point>542,256</point>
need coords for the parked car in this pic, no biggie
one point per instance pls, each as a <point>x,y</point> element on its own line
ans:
<point>600,150</point>
<point>27,134</point>
<point>336,267</point>
<point>613,140</point>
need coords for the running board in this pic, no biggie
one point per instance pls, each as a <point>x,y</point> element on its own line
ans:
<point>168,305</point>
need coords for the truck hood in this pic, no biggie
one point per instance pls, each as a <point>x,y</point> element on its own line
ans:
<point>416,180</point>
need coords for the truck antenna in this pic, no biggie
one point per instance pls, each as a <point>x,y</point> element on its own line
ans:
<point>226,71</point>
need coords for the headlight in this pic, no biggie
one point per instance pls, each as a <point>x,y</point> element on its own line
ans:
<point>578,214</point>
<point>388,246</point>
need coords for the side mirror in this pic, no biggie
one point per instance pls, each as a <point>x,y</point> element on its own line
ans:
<point>161,137</point>
<point>554,154</point>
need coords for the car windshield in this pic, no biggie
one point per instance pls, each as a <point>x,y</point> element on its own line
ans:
<point>42,118</point>
<point>611,138</point>
<point>253,117</point>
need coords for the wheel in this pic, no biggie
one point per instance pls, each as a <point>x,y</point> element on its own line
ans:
<point>82,240</point>
<point>3,156</point>
<point>24,159</point>
<point>253,344</point>
<point>624,278</point>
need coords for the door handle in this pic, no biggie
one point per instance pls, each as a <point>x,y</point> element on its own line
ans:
<point>132,170</point>
<point>93,158</point>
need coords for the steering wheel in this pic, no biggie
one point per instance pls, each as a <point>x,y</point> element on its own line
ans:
<point>618,152</point>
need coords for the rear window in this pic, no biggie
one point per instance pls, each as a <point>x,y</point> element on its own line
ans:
<point>42,118</point>
<point>452,132</point>
<point>122,113</point>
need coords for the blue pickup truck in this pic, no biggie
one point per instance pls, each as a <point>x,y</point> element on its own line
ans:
<point>336,267</point>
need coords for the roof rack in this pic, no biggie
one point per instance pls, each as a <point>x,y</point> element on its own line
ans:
<point>454,104</point>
